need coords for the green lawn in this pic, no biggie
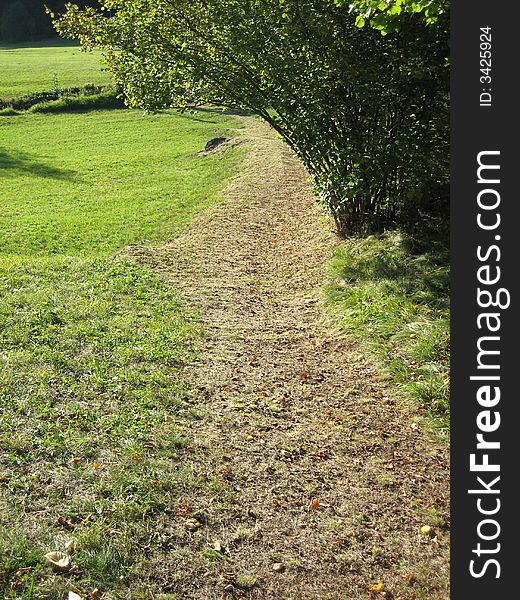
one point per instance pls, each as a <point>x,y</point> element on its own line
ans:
<point>28,68</point>
<point>87,184</point>
<point>91,452</point>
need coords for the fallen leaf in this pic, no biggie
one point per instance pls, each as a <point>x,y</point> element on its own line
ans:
<point>183,509</point>
<point>426,530</point>
<point>65,523</point>
<point>192,524</point>
<point>59,561</point>
<point>97,466</point>
<point>77,590</point>
<point>315,503</point>
<point>17,583</point>
<point>377,587</point>
<point>279,567</point>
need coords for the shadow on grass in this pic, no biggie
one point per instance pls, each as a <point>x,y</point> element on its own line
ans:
<point>391,292</point>
<point>203,114</point>
<point>423,275</point>
<point>19,163</point>
<point>54,42</point>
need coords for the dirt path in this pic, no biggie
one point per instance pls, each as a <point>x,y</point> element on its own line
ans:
<point>290,412</point>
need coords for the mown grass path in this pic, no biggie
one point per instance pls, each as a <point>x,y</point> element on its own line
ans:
<point>317,481</point>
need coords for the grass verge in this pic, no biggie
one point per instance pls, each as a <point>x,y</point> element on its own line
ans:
<point>81,103</point>
<point>90,450</point>
<point>93,455</point>
<point>395,302</point>
<point>88,97</point>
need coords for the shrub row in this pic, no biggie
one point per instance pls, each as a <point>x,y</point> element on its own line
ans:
<point>28,100</point>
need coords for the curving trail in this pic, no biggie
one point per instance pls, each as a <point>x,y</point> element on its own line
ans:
<point>289,411</point>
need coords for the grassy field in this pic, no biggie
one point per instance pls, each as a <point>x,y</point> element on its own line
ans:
<point>96,460</point>
<point>396,303</point>
<point>33,68</point>
<point>87,184</point>
<point>91,451</point>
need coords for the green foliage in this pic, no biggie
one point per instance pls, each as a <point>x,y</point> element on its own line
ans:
<point>367,115</point>
<point>388,15</point>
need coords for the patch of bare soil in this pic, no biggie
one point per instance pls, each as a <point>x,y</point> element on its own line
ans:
<point>316,481</point>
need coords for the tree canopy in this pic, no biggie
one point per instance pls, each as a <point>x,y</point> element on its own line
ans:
<point>366,114</point>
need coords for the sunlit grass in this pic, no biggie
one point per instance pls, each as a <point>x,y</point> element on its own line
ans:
<point>91,183</point>
<point>91,344</point>
<point>36,67</point>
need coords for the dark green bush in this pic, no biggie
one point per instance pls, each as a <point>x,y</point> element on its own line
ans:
<point>104,100</point>
<point>25,20</point>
